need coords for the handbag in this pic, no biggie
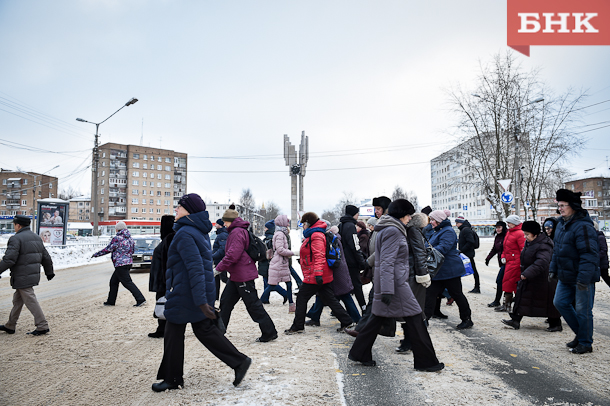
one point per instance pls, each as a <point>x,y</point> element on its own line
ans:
<point>434,259</point>
<point>160,308</point>
<point>467,265</point>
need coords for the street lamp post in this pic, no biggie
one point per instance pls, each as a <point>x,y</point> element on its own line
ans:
<point>517,175</point>
<point>96,159</point>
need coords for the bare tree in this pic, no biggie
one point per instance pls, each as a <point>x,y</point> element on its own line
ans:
<point>246,200</point>
<point>269,211</point>
<point>507,133</point>
<point>334,214</point>
<point>69,193</point>
<point>411,196</point>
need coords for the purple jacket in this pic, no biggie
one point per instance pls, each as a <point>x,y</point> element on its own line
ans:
<point>121,246</point>
<point>342,282</point>
<point>237,262</point>
<point>279,266</point>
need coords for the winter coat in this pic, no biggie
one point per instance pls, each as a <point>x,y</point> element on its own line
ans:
<point>263,266</point>
<point>371,258</point>
<point>466,241</point>
<point>511,252</point>
<point>279,267</point>
<point>351,244</point>
<point>190,275</point>
<point>497,248</point>
<point>313,254</point>
<point>392,271</point>
<point>218,250</point>
<point>158,265</point>
<point>363,240</point>
<point>576,252</point>
<point>445,240</point>
<point>342,282</point>
<point>535,294</point>
<point>237,262</point>
<point>24,254</point>
<point>603,250</point>
<point>121,246</point>
<point>428,231</point>
<point>417,248</point>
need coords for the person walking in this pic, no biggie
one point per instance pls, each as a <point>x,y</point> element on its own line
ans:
<point>242,274</point>
<point>317,275</point>
<point>218,253</point>
<point>351,249</point>
<point>363,237</point>
<point>497,248</point>
<point>575,264</point>
<point>450,274</point>
<point>24,255</point>
<point>279,265</point>
<point>550,225</point>
<point>393,296</point>
<point>121,248</point>
<point>190,297</point>
<point>603,253</point>
<point>535,293</point>
<point>511,258</point>
<point>158,267</point>
<point>467,245</point>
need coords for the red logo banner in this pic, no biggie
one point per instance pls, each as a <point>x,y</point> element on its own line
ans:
<point>557,22</point>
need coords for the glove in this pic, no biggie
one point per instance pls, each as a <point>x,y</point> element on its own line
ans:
<point>552,277</point>
<point>50,276</point>
<point>424,280</point>
<point>503,260</point>
<point>208,311</point>
<point>582,286</point>
<point>487,262</point>
<point>319,280</point>
<point>386,298</point>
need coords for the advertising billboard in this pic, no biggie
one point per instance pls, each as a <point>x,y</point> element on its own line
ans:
<point>53,220</point>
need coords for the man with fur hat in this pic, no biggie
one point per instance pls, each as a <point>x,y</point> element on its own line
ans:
<point>242,274</point>
<point>351,247</point>
<point>575,263</point>
<point>24,254</point>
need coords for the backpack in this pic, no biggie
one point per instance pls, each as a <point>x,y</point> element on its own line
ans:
<point>333,250</point>
<point>257,250</point>
<point>477,243</point>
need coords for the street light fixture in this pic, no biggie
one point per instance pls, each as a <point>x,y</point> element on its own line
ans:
<point>96,159</point>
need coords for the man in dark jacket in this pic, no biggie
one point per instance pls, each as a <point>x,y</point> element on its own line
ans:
<point>351,248</point>
<point>603,254</point>
<point>466,246</point>
<point>575,263</point>
<point>242,274</point>
<point>24,254</point>
<point>218,252</point>
<point>158,267</point>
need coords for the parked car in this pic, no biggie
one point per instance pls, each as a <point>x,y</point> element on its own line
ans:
<point>144,247</point>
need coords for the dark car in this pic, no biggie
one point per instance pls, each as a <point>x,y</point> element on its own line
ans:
<point>144,247</point>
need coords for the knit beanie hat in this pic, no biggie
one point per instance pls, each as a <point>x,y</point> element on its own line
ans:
<point>270,225</point>
<point>500,224</point>
<point>382,201</point>
<point>513,219</point>
<point>438,215</point>
<point>192,203</point>
<point>400,208</point>
<point>549,224</point>
<point>573,199</point>
<point>427,210</point>
<point>310,218</point>
<point>220,222</point>
<point>372,221</point>
<point>531,227</point>
<point>460,219</point>
<point>230,214</point>
<point>361,225</point>
<point>351,210</point>
<point>22,220</point>
<point>447,212</point>
<point>120,226</point>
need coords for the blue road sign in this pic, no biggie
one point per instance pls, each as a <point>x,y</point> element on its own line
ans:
<point>507,197</point>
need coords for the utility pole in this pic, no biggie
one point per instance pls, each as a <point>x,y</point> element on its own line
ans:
<point>517,173</point>
<point>96,160</point>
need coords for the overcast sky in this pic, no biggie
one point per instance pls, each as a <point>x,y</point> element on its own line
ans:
<point>365,80</point>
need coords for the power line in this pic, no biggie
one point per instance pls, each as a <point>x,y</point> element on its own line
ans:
<point>16,145</point>
<point>33,121</point>
<point>593,129</point>
<point>591,105</point>
<point>320,170</point>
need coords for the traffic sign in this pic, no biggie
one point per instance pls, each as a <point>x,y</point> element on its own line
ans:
<point>507,197</point>
<point>465,208</point>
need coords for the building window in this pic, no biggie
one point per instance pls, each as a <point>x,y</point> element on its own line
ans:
<point>103,155</point>
<point>144,166</point>
<point>136,156</point>
<point>166,202</point>
<point>152,175</point>
<point>152,158</point>
<point>158,211</point>
<point>24,202</point>
<point>151,210</point>
<point>168,161</point>
<point>4,181</point>
<point>134,200</point>
<point>144,174</point>
<point>168,177</point>
<point>25,181</point>
<point>144,182</point>
<point>167,193</point>
<point>135,173</point>
<point>160,159</point>
<point>167,168</point>
<point>135,192</point>
<point>102,202</point>
<point>159,167</point>
<point>158,184</point>
<point>158,202</point>
<point>134,209</point>
<point>50,186</point>
<point>143,201</point>
<point>152,201</point>
<point>101,191</point>
<point>158,193</point>
<point>103,163</point>
<point>145,157</point>
<point>103,173</point>
<point>135,183</point>
<point>136,164</point>
<point>103,182</point>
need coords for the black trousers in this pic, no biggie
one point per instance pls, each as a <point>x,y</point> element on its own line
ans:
<point>247,292</point>
<point>477,282</point>
<point>354,274</point>
<point>121,275</point>
<point>424,355</point>
<point>221,277</point>
<point>454,286</point>
<point>306,292</point>
<point>366,314</point>
<point>172,365</point>
<point>553,322</point>
<point>605,277</point>
<point>161,326</point>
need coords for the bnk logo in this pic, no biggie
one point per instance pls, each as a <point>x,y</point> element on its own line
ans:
<point>557,22</point>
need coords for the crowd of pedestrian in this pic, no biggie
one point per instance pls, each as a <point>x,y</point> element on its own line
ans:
<point>412,260</point>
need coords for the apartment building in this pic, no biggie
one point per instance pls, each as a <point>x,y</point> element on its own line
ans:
<point>20,191</point>
<point>595,196</point>
<point>80,209</point>
<point>139,183</point>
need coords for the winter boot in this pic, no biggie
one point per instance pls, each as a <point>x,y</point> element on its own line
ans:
<point>292,307</point>
<point>509,302</point>
<point>505,303</point>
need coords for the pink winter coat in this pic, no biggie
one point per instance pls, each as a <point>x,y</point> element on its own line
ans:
<point>279,267</point>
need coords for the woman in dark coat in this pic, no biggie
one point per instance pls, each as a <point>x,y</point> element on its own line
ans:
<point>497,250</point>
<point>534,297</point>
<point>393,296</point>
<point>190,293</point>
<point>549,225</point>
<point>158,266</point>
<point>363,237</point>
<point>603,253</point>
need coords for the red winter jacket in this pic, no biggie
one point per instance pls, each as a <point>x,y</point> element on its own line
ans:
<point>313,255</point>
<point>236,261</point>
<point>513,245</point>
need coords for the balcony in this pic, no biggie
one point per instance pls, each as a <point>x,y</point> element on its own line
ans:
<point>13,206</point>
<point>14,185</point>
